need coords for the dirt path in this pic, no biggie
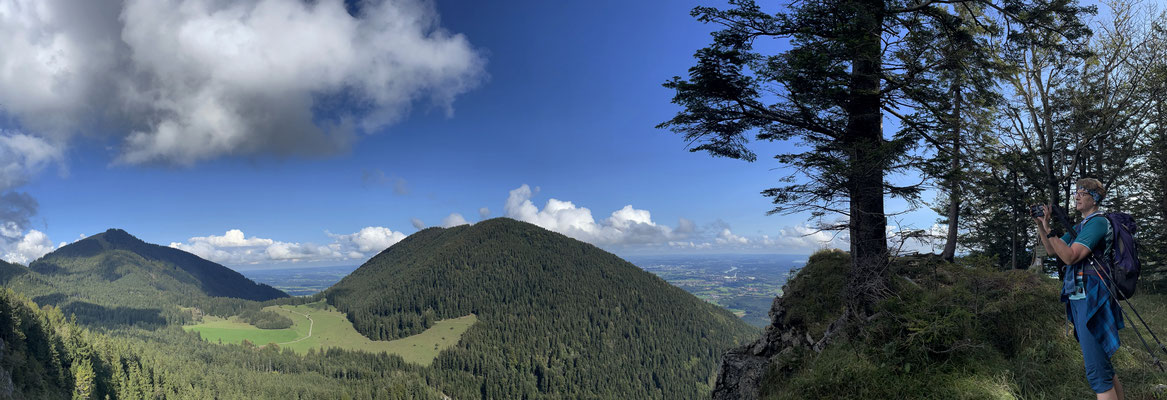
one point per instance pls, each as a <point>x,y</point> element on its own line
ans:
<point>310,324</point>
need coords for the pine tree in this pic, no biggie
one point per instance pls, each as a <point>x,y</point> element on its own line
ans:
<point>83,380</point>
<point>829,91</point>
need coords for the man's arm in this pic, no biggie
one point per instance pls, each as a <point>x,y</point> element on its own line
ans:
<point>1069,254</point>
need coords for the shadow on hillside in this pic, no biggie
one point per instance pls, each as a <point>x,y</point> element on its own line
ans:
<point>9,271</point>
<point>54,299</point>
<point>112,318</point>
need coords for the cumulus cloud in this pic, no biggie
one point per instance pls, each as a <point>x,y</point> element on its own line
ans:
<point>803,239</point>
<point>26,248</point>
<point>727,237</point>
<point>15,210</point>
<point>626,226</point>
<point>634,229</point>
<point>372,239</point>
<point>233,238</point>
<point>417,223</point>
<point>484,212</point>
<point>235,248</point>
<point>452,220</point>
<point>22,156</point>
<point>179,81</point>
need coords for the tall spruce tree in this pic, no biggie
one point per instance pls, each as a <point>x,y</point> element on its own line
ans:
<point>829,90</point>
<point>1150,174</point>
<point>952,107</point>
<point>83,384</point>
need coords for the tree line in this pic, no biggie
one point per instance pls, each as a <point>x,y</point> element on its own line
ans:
<point>992,104</point>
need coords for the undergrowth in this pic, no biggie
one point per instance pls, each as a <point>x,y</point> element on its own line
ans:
<point>960,330</point>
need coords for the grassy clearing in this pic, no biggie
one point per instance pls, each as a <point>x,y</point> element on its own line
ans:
<point>330,328</point>
<point>215,329</point>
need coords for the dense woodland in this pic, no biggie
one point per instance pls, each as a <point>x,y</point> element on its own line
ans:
<point>994,104</point>
<point>557,317</point>
<point>47,356</point>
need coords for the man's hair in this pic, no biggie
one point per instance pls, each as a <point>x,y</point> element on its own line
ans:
<point>1093,185</point>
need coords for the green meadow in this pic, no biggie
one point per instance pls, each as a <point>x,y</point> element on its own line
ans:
<point>317,326</point>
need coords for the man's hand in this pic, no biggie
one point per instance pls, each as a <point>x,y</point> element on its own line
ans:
<point>1043,220</point>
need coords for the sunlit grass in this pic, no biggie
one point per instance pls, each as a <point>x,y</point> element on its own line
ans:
<point>331,328</point>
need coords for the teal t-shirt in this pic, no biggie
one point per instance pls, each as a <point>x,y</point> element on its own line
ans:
<point>1092,233</point>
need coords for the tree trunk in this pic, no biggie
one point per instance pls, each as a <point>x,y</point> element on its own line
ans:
<point>1052,186</point>
<point>954,179</point>
<point>1159,155</point>
<point>862,140</point>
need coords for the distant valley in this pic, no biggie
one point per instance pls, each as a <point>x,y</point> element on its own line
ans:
<point>300,281</point>
<point>500,309</point>
<point>745,284</point>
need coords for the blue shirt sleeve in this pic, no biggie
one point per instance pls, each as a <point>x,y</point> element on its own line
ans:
<point>1093,232</point>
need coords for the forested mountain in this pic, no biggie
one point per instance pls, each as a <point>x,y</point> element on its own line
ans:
<point>45,356</point>
<point>558,318</point>
<point>105,255</point>
<point>114,279</point>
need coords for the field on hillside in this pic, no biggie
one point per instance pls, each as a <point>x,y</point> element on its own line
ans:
<point>316,326</point>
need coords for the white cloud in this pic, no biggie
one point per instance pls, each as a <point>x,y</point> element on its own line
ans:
<point>691,245</point>
<point>908,239</point>
<point>417,223</point>
<point>234,248</point>
<point>803,239</point>
<point>633,229</point>
<point>452,220</point>
<point>179,81</point>
<point>22,156</point>
<point>727,237</point>
<point>280,251</point>
<point>483,212</point>
<point>372,239</point>
<point>626,226</point>
<point>27,247</point>
<point>233,238</point>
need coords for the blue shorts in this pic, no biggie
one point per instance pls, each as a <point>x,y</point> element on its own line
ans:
<point>1099,371</point>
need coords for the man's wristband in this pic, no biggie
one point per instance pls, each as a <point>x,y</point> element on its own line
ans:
<point>1051,235</point>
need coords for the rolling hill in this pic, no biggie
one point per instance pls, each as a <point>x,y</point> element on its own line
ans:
<point>557,318</point>
<point>114,278</point>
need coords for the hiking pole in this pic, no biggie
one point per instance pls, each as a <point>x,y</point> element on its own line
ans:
<point>1112,283</point>
<point>1154,359</point>
<point>1060,214</point>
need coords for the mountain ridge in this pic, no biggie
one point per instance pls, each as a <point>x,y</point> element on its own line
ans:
<point>211,278</point>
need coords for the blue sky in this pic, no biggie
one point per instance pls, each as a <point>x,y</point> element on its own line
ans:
<point>328,156</point>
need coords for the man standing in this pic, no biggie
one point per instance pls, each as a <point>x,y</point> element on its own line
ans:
<point>1089,306</point>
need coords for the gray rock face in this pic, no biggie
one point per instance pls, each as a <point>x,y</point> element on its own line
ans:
<point>740,375</point>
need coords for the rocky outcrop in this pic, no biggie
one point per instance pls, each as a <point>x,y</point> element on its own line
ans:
<point>742,369</point>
